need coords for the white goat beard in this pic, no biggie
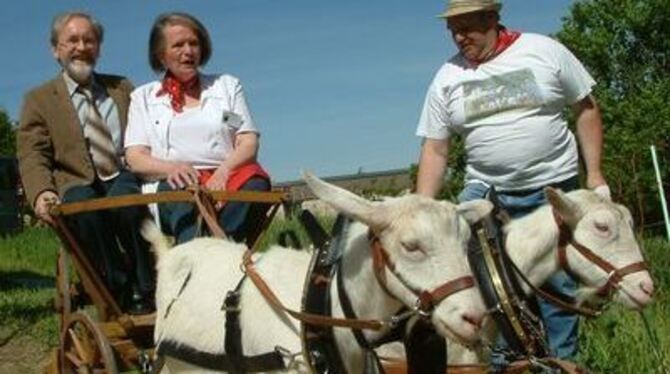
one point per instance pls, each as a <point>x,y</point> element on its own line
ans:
<point>79,71</point>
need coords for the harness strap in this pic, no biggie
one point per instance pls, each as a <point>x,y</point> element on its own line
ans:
<point>618,275</point>
<point>516,367</point>
<point>348,310</point>
<point>181,290</point>
<point>254,241</point>
<point>221,362</point>
<point>318,341</point>
<point>207,211</point>
<point>316,233</point>
<point>428,299</point>
<point>233,332</point>
<point>380,261</point>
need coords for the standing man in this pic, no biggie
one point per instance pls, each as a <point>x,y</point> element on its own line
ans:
<point>69,149</point>
<point>504,93</point>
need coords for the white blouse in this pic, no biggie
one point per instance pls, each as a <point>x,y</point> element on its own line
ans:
<point>202,135</point>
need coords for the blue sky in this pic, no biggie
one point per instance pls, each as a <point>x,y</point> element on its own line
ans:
<point>335,86</point>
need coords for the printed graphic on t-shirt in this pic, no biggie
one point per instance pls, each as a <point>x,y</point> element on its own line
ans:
<point>501,93</point>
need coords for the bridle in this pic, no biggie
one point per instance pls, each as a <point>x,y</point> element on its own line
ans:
<point>426,299</point>
<point>614,275</point>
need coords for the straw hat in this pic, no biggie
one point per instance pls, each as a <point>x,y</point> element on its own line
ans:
<point>456,7</point>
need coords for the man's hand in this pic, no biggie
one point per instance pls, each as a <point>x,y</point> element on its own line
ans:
<point>597,183</point>
<point>603,191</point>
<point>182,174</point>
<point>43,204</point>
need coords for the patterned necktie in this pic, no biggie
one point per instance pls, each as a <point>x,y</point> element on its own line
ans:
<point>101,145</point>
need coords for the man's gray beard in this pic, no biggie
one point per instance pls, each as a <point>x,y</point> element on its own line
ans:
<point>79,71</point>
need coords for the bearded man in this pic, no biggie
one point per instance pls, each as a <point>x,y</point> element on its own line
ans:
<point>70,149</point>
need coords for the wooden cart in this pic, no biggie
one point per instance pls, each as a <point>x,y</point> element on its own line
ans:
<point>96,335</point>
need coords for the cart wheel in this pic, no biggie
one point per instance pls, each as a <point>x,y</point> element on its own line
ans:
<point>63,294</point>
<point>83,347</point>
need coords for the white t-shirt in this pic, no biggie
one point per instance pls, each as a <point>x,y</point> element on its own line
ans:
<point>510,113</point>
<point>201,135</point>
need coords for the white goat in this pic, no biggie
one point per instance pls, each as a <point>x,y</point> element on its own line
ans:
<point>423,237</point>
<point>604,227</point>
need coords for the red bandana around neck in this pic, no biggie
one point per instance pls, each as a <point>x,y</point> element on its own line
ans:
<point>505,39</point>
<point>175,88</point>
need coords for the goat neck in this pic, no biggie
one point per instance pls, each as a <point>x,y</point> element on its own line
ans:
<point>368,298</point>
<point>531,242</point>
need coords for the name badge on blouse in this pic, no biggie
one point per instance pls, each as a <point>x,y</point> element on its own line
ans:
<point>231,119</point>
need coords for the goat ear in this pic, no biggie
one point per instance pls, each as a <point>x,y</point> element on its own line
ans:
<point>344,201</point>
<point>566,207</point>
<point>474,210</point>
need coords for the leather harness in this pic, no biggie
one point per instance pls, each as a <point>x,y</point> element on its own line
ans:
<point>233,360</point>
<point>513,312</point>
<point>495,273</point>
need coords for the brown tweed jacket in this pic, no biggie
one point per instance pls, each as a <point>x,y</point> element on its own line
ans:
<point>51,147</point>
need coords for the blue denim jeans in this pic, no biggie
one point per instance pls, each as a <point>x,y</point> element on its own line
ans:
<point>561,326</point>
<point>97,233</point>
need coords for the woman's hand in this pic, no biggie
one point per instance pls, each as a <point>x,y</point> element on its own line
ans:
<point>182,174</point>
<point>218,180</point>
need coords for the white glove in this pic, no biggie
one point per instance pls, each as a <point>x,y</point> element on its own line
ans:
<point>603,191</point>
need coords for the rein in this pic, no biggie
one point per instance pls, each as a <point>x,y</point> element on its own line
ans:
<point>315,319</point>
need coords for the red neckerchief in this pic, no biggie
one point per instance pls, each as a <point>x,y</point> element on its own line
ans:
<point>175,88</point>
<point>505,39</point>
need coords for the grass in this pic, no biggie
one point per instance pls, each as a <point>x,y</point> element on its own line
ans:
<point>27,277</point>
<point>619,342</point>
<point>616,342</point>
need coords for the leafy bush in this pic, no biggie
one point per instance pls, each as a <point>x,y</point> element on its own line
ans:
<point>625,44</point>
<point>7,135</point>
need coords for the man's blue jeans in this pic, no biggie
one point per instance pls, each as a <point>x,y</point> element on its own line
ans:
<point>97,233</point>
<point>561,326</point>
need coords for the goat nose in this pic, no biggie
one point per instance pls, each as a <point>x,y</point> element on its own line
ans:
<point>473,318</point>
<point>647,286</point>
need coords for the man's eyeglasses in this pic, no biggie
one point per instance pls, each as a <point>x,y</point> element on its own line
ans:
<point>75,41</point>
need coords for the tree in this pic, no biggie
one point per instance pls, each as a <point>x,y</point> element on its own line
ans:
<point>7,135</point>
<point>625,44</point>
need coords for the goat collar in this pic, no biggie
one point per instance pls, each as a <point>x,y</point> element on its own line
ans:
<point>614,275</point>
<point>426,299</point>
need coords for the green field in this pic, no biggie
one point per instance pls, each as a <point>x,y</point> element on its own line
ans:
<point>616,342</point>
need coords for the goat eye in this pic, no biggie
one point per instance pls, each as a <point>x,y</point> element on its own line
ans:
<point>602,228</point>
<point>411,247</point>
